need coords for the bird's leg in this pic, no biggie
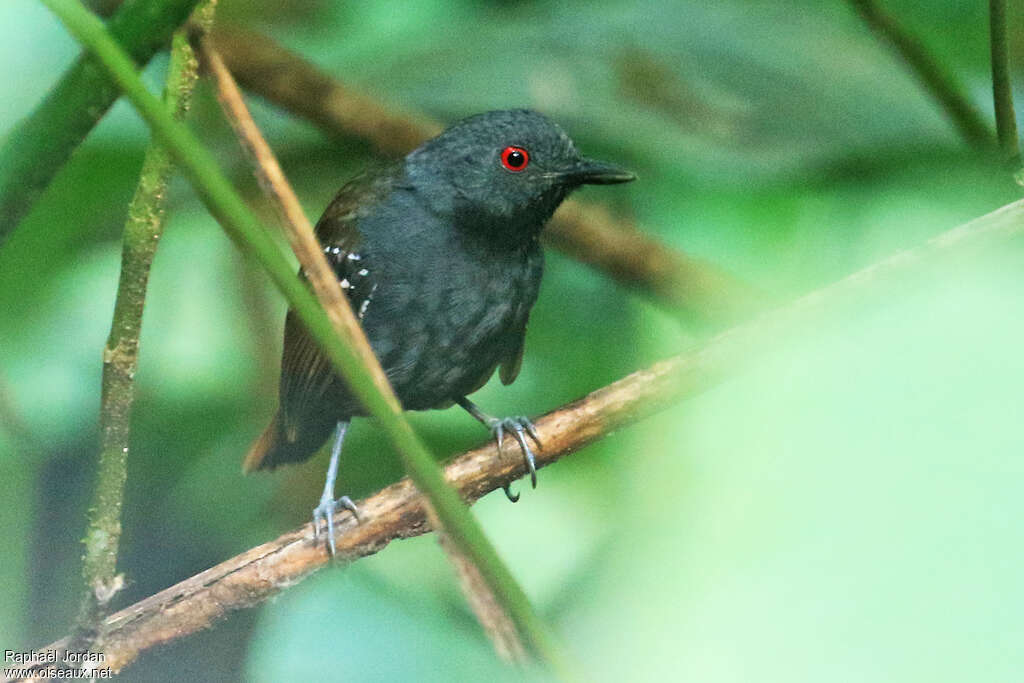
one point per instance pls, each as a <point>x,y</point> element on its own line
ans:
<point>325,510</point>
<point>519,426</point>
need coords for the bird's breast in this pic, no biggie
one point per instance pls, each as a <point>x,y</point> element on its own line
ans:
<point>442,322</point>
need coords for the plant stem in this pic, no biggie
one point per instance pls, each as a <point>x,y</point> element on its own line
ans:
<point>36,149</point>
<point>249,233</point>
<point>1002,95</point>
<point>142,233</point>
<point>936,80</point>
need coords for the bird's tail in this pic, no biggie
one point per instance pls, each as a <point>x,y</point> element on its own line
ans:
<point>280,444</point>
<point>264,445</point>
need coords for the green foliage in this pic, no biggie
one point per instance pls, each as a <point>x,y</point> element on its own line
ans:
<point>849,505</point>
<point>41,143</point>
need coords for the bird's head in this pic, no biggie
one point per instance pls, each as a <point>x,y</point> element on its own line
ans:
<point>510,168</point>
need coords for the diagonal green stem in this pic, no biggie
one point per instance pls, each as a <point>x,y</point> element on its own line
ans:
<point>142,232</point>
<point>937,81</point>
<point>36,149</point>
<point>247,231</point>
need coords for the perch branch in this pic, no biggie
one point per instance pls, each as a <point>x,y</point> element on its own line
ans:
<point>493,617</point>
<point>398,511</point>
<point>670,278</point>
<point>142,232</point>
<point>940,84</point>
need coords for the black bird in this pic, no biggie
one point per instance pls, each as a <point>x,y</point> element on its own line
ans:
<point>439,256</point>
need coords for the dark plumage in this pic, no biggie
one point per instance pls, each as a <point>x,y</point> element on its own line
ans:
<point>439,255</point>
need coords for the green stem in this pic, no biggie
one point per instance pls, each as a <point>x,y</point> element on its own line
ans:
<point>36,149</point>
<point>142,232</point>
<point>247,231</point>
<point>936,80</point>
<point>1002,97</point>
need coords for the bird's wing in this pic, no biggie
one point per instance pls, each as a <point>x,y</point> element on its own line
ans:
<point>306,374</point>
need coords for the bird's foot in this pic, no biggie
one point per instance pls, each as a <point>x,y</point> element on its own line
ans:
<point>325,511</point>
<point>520,427</point>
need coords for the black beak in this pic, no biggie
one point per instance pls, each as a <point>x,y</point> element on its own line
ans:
<point>591,172</point>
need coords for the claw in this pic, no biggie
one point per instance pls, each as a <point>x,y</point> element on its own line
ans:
<point>347,503</point>
<point>532,431</point>
<point>325,511</point>
<point>520,427</point>
<point>531,461</point>
<point>499,433</point>
<point>513,497</point>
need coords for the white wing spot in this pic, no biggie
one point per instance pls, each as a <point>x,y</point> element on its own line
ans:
<point>366,302</point>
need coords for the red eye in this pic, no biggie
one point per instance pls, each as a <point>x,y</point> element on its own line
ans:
<point>514,159</point>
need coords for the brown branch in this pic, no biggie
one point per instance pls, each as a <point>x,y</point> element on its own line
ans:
<point>670,278</point>
<point>681,283</point>
<point>398,511</point>
<point>266,68</point>
<point>493,618</point>
<point>296,225</point>
<point>940,84</point>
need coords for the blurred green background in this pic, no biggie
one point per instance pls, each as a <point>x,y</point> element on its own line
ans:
<point>847,509</point>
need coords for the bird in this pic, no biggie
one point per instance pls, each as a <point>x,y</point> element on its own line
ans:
<point>439,255</point>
